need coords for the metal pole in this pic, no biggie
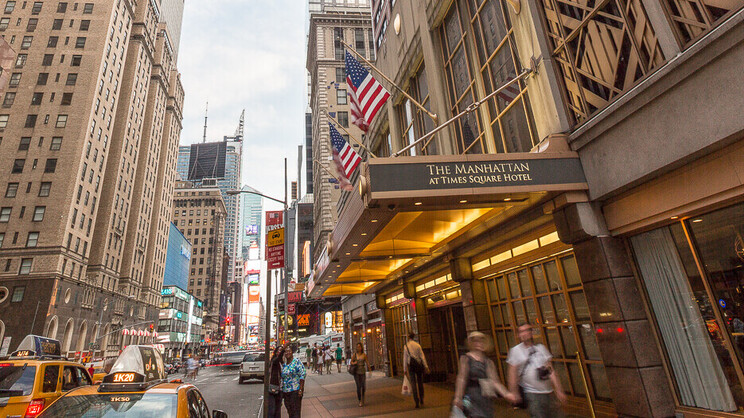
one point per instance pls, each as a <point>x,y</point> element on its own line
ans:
<point>34,321</point>
<point>267,346</point>
<point>586,386</point>
<point>284,270</point>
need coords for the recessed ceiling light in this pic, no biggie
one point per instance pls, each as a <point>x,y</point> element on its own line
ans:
<point>348,253</point>
<point>338,265</point>
<point>364,234</point>
<point>373,220</point>
<point>333,271</point>
<point>354,245</point>
<point>697,220</point>
<point>463,201</point>
<point>506,199</point>
<point>675,217</point>
<point>417,203</point>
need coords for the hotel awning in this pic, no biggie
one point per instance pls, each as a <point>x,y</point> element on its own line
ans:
<point>408,210</point>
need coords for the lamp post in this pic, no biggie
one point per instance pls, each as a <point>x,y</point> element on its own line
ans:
<point>267,345</point>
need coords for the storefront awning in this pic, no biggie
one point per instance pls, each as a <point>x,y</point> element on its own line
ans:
<point>408,210</point>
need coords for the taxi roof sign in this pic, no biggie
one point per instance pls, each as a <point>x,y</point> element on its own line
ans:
<point>138,367</point>
<point>38,346</point>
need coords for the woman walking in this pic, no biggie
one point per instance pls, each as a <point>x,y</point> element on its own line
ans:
<point>477,382</point>
<point>359,362</point>
<point>293,383</point>
<point>328,358</point>
<point>275,396</point>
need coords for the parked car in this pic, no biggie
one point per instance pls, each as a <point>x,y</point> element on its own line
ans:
<point>252,366</point>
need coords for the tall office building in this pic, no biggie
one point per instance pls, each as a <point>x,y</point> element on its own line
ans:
<point>200,215</point>
<point>211,164</point>
<point>331,22</point>
<point>91,119</point>
<point>251,214</point>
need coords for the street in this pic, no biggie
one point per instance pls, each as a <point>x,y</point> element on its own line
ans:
<point>221,391</point>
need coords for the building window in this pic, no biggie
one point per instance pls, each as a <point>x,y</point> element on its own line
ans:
<point>18,165</point>
<point>51,165</point>
<point>359,44</point>
<point>15,79</point>
<point>18,291</point>
<point>88,8</point>
<point>5,214</point>
<point>62,7</point>
<point>47,60</point>
<point>80,42</point>
<point>42,79</point>
<point>45,188</point>
<point>31,24</point>
<point>24,143</point>
<point>52,43</point>
<point>56,143</point>
<point>26,43</point>
<point>618,37</point>
<point>36,99</point>
<point>76,59</point>
<point>9,99</point>
<point>30,121</point>
<point>25,269</point>
<point>343,119</point>
<point>57,24</point>
<point>341,75</point>
<point>4,121</point>
<point>84,25</point>
<point>36,8</point>
<point>12,190</point>
<point>21,60</point>
<point>39,213</point>
<point>33,239</point>
<point>9,6</point>
<point>71,79</point>
<point>61,121</point>
<point>341,96</point>
<point>4,23</point>
<point>338,46</point>
<point>66,99</point>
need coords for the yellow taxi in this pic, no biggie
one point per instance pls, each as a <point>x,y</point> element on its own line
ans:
<point>35,375</point>
<point>136,387</point>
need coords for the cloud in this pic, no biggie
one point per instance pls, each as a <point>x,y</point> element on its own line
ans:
<point>246,54</point>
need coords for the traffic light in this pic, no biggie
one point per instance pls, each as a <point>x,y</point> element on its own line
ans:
<point>152,327</point>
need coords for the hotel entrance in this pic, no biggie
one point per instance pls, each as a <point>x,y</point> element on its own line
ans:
<point>448,341</point>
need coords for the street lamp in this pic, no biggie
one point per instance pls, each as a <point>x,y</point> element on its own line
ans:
<point>267,346</point>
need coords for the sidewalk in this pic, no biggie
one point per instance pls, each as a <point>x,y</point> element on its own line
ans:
<point>334,395</point>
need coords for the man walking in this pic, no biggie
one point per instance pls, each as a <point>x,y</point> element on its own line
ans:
<point>530,369</point>
<point>414,366</point>
<point>339,356</point>
<point>314,358</point>
<point>308,357</point>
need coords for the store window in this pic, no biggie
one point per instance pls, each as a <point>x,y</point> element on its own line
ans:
<point>549,295</point>
<point>693,272</point>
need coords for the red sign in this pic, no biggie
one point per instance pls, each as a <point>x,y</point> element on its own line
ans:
<point>291,309</point>
<point>294,297</point>
<point>275,254</point>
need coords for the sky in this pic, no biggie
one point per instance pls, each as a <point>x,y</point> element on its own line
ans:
<point>247,54</point>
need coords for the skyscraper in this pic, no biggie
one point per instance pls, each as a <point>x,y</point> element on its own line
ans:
<point>251,214</point>
<point>93,107</point>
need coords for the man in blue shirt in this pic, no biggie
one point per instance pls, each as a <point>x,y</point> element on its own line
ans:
<point>293,383</point>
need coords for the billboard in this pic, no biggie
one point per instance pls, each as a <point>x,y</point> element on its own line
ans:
<point>254,294</point>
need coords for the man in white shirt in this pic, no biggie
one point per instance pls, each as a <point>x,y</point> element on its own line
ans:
<point>414,366</point>
<point>530,368</point>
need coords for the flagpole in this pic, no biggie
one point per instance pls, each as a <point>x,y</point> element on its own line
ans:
<point>469,109</point>
<point>419,105</point>
<point>349,133</point>
<point>326,170</point>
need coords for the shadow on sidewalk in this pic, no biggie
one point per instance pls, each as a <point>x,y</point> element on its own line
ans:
<point>335,396</point>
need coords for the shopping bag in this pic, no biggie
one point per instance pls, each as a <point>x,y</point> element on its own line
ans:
<point>406,389</point>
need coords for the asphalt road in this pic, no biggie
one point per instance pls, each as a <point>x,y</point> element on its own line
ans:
<point>221,391</point>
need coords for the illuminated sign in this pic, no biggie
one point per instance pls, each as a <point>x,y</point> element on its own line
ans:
<point>24,353</point>
<point>166,291</point>
<point>254,294</point>
<point>123,377</point>
<point>303,320</point>
<point>294,297</point>
<point>328,319</point>
<point>251,229</point>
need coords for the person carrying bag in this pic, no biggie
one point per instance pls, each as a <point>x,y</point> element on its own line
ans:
<point>414,367</point>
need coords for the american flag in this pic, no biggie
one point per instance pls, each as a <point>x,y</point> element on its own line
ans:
<point>366,94</point>
<point>344,156</point>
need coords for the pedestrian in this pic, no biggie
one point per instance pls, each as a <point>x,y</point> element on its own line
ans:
<point>293,383</point>
<point>414,366</point>
<point>191,368</point>
<point>477,382</point>
<point>308,356</point>
<point>328,358</point>
<point>314,357</point>
<point>339,357</point>
<point>91,370</point>
<point>348,357</point>
<point>359,363</point>
<point>319,356</point>
<point>274,404</point>
<point>532,378</point>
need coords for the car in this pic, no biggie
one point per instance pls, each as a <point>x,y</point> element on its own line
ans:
<point>136,387</point>
<point>231,358</point>
<point>252,366</point>
<point>35,375</point>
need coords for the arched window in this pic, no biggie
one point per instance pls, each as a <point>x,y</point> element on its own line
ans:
<point>82,333</point>
<point>51,331</point>
<point>67,341</point>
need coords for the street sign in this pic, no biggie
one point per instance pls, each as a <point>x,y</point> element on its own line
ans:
<point>275,237</point>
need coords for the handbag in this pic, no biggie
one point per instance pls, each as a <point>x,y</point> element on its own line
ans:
<point>406,389</point>
<point>273,389</point>
<point>352,367</point>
